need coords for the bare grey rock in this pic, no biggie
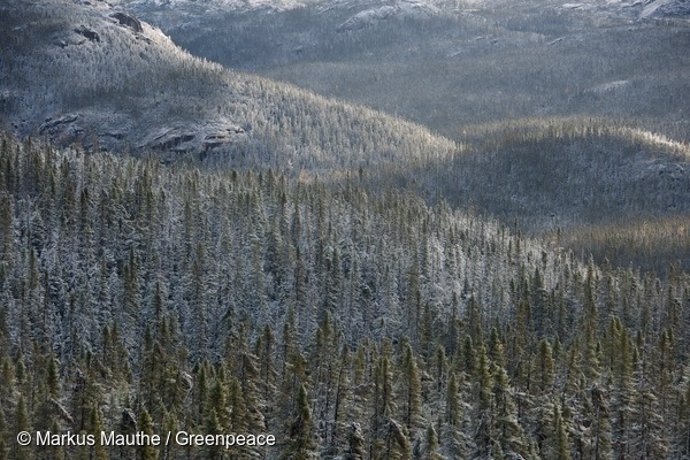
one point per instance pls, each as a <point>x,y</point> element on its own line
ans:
<point>128,21</point>
<point>53,126</point>
<point>88,33</point>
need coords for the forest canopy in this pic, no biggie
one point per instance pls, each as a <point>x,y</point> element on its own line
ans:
<point>136,294</point>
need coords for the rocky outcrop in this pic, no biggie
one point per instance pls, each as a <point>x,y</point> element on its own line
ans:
<point>88,33</point>
<point>213,141</point>
<point>63,130</point>
<point>128,21</point>
<point>53,126</point>
<point>173,142</point>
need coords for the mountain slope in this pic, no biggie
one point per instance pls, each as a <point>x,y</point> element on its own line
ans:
<point>573,181</point>
<point>86,72</point>
<point>216,301</point>
<point>456,63</point>
<point>548,173</point>
<point>99,76</point>
<point>216,258</point>
<point>647,9</point>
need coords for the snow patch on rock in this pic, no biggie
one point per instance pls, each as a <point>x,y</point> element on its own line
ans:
<point>225,5</point>
<point>665,8</point>
<point>401,10</point>
<point>610,87</point>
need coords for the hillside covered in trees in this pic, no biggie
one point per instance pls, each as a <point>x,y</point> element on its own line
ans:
<point>448,64</point>
<point>138,295</point>
<point>76,72</point>
<point>188,247</point>
<point>96,75</point>
<point>596,186</point>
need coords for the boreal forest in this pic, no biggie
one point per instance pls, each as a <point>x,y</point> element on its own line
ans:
<point>411,229</point>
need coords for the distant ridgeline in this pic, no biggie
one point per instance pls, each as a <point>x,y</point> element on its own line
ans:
<point>592,185</point>
<point>349,325</point>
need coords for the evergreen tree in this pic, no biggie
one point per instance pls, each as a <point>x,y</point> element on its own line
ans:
<point>95,426</point>
<point>509,433</point>
<point>431,447</point>
<point>300,444</point>
<point>600,430</point>
<point>146,451</point>
<point>486,445</point>
<point>22,424</point>
<point>454,439</point>
<point>356,449</point>
<point>383,406</point>
<point>411,397</point>
<point>396,446</point>
<point>557,446</point>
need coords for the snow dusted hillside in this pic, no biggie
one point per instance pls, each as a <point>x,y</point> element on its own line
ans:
<point>77,72</point>
<point>191,7</point>
<point>359,13</point>
<point>640,9</point>
<point>665,8</point>
<point>400,10</point>
<point>354,15</point>
<point>73,71</point>
<point>278,5</point>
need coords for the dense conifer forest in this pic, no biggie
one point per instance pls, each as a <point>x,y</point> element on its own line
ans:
<point>150,297</point>
<point>495,267</point>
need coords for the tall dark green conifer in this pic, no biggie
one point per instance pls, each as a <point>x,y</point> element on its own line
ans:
<point>300,443</point>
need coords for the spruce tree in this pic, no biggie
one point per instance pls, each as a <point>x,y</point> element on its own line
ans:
<point>300,443</point>
<point>431,445</point>
<point>146,451</point>
<point>95,426</point>
<point>356,448</point>
<point>411,387</point>
<point>454,439</point>
<point>22,423</point>
<point>558,444</point>
<point>396,445</point>
<point>509,433</point>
